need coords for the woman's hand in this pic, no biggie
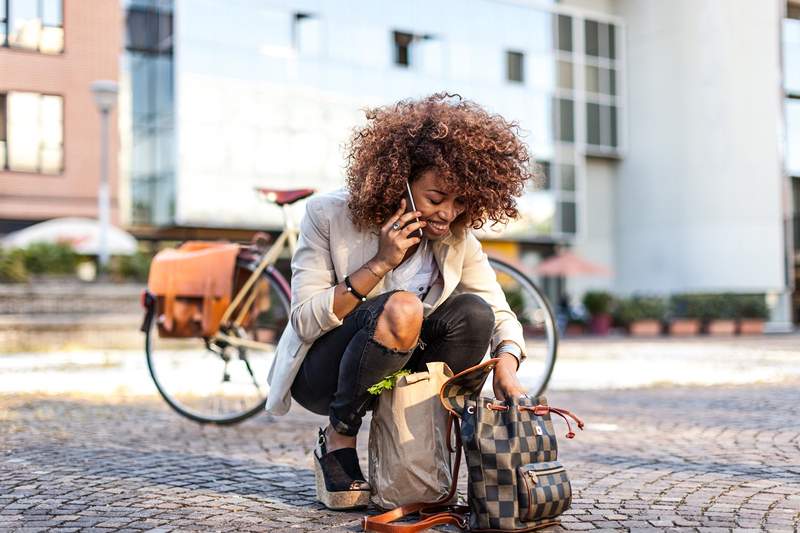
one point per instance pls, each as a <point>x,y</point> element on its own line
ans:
<point>395,242</point>
<point>505,382</point>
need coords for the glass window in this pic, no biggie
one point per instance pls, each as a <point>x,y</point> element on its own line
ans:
<point>34,132</point>
<point>564,119</point>
<point>592,123</point>
<point>563,33</point>
<point>542,181</point>
<point>600,39</point>
<point>565,80</point>
<point>601,124</point>
<point>36,26</point>
<point>515,66</point>
<point>592,79</point>
<point>793,136</point>
<point>149,30</point>
<point>2,131</point>
<point>567,217</point>
<point>3,24</point>
<point>402,48</point>
<point>591,37</point>
<point>791,55</point>
<point>567,177</point>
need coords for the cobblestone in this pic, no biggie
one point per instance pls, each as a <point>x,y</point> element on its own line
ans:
<point>662,459</point>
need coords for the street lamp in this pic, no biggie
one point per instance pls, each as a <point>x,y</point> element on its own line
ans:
<point>105,96</point>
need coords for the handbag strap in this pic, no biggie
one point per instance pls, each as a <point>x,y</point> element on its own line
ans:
<point>433,514</point>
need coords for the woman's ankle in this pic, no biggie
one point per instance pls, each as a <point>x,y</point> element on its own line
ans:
<point>335,441</point>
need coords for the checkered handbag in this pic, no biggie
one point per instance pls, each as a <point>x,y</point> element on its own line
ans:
<point>516,482</point>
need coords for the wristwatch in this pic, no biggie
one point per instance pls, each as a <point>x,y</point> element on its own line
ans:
<point>513,349</point>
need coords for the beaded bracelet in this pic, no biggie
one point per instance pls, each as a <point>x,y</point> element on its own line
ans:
<point>352,291</point>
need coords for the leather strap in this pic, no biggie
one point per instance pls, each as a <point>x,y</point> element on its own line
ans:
<point>433,514</point>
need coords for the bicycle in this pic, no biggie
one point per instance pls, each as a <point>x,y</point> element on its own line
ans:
<point>222,378</point>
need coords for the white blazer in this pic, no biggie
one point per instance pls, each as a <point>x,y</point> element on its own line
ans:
<point>330,247</point>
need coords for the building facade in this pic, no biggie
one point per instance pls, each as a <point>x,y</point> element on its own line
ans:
<point>50,52</point>
<point>667,132</point>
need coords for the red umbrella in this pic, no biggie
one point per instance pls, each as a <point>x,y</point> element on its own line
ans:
<point>568,264</point>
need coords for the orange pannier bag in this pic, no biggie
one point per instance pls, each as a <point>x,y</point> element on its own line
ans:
<point>193,286</point>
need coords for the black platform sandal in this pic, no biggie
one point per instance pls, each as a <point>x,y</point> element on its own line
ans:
<point>340,483</point>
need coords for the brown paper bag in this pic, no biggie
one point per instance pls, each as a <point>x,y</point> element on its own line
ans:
<point>408,456</point>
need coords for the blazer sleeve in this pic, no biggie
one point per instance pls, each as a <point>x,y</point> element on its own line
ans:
<point>313,277</point>
<point>478,277</point>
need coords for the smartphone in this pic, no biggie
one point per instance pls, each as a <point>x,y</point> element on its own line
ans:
<point>411,207</point>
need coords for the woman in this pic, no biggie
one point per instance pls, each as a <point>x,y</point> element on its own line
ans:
<point>370,296</point>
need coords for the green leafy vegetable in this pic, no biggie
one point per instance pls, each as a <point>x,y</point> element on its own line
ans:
<point>388,382</point>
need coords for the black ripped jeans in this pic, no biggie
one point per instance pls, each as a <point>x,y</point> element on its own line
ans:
<point>344,362</point>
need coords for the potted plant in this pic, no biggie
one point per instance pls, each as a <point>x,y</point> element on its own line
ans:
<point>598,304</point>
<point>751,310</point>
<point>686,313</point>
<point>642,315</point>
<point>575,327</point>
<point>722,315</point>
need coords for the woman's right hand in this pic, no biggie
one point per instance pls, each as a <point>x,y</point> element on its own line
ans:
<point>395,242</point>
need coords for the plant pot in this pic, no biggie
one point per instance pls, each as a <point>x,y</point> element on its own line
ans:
<point>751,326</point>
<point>601,324</point>
<point>530,330</point>
<point>575,329</point>
<point>645,328</point>
<point>722,328</point>
<point>684,327</point>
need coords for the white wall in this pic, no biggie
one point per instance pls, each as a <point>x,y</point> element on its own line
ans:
<point>596,241</point>
<point>698,201</point>
<point>251,110</point>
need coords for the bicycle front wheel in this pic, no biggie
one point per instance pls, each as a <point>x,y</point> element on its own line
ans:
<point>223,380</point>
<point>538,325</point>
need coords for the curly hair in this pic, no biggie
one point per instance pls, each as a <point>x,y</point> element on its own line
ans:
<point>479,156</point>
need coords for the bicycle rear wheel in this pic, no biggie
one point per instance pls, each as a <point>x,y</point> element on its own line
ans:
<point>538,325</point>
<point>218,381</point>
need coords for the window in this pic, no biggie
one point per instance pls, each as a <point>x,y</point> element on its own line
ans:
<point>3,23</point>
<point>148,30</point>
<point>601,91</point>
<point>564,119</point>
<point>563,33</point>
<point>601,125</point>
<point>33,25</point>
<point>515,66</point>
<point>600,39</point>
<point>402,48</point>
<point>3,144</point>
<point>31,132</point>
<point>791,53</point>
<point>568,218</point>
<point>601,80</point>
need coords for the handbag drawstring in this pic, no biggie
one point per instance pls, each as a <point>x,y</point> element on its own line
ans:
<point>541,410</point>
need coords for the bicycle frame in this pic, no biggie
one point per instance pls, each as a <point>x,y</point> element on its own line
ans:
<point>287,237</point>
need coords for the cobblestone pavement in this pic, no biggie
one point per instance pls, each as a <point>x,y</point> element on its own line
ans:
<point>675,458</point>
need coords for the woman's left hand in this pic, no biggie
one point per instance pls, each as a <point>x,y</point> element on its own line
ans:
<point>505,381</point>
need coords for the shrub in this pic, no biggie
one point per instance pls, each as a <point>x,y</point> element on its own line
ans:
<point>132,267</point>
<point>12,266</point>
<point>720,306</point>
<point>640,308</point>
<point>49,258</point>
<point>597,302</point>
<point>517,304</point>
<point>751,306</point>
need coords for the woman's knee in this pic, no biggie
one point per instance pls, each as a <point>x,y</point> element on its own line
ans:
<point>401,317</point>
<point>475,312</point>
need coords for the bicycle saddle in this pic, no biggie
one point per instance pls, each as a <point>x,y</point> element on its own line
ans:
<point>284,196</point>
